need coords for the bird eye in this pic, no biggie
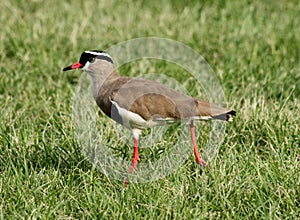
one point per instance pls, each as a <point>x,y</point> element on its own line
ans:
<point>91,59</point>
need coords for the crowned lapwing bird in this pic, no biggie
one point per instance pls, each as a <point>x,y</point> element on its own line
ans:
<point>139,103</point>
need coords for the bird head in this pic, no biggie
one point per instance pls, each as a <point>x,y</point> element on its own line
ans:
<point>91,60</point>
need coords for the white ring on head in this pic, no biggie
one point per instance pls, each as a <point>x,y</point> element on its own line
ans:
<point>98,53</point>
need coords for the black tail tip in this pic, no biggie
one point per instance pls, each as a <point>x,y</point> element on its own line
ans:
<point>228,116</point>
<point>232,112</point>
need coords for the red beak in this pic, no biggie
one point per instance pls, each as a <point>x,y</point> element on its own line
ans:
<point>73,66</point>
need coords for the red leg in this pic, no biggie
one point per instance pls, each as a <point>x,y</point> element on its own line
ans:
<point>196,152</point>
<point>135,157</point>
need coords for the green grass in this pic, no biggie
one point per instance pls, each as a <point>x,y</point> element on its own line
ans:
<point>253,47</point>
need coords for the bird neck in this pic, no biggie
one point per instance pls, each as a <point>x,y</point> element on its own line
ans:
<point>100,79</point>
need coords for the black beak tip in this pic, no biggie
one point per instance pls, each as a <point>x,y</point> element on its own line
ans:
<point>67,68</point>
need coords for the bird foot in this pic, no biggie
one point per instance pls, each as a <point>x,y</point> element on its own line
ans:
<point>133,165</point>
<point>201,162</point>
<point>126,182</point>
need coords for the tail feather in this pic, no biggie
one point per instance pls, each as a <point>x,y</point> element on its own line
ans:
<point>228,116</point>
<point>213,111</point>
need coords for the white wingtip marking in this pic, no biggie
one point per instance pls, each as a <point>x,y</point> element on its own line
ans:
<point>201,117</point>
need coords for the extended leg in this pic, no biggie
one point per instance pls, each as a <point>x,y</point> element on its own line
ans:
<point>135,157</point>
<point>196,152</point>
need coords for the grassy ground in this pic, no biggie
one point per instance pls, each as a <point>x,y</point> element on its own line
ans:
<point>253,48</point>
